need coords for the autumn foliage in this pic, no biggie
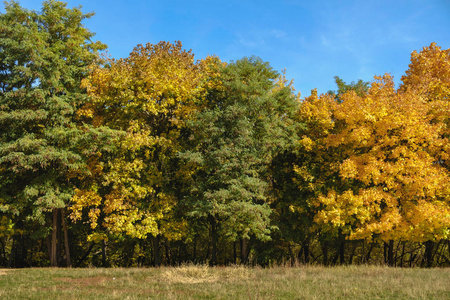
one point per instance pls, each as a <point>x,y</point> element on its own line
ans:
<point>388,153</point>
<point>160,158</point>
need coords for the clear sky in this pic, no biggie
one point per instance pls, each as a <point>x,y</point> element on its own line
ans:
<point>313,40</point>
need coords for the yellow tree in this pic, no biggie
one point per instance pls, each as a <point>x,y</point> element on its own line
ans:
<point>429,77</point>
<point>316,169</point>
<point>386,148</point>
<point>149,95</point>
<point>429,74</point>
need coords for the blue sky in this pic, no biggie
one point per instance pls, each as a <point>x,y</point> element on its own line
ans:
<point>313,40</point>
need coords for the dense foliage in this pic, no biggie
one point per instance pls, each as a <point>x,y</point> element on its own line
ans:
<point>160,159</point>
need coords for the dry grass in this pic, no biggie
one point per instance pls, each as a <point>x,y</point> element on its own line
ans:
<point>204,274</point>
<point>202,282</point>
<point>5,271</point>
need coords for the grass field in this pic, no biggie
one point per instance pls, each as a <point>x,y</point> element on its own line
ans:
<point>201,282</point>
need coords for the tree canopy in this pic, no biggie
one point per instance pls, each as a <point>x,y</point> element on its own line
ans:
<point>161,158</point>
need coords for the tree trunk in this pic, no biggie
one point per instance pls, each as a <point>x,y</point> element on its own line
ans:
<point>429,247</point>
<point>156,252</point>
<point>412,256</point>
<point>59,239</point>
<point>325,252</point>
<point>234,253</point>
<point>66,240</point>
<point>244,251</point>
<point>403,254</point>
<point>341,248</point>
<point>54,242</point>
<point>352,254</point>
<point>448,247</point>
<point>4,259</point>
<point>194,258</point>
<point>367,257</point>
<point>104,258</point>
<point>389,253</point>
<point>214,239</point>
<point>168,252</point>
<point>306,252</point>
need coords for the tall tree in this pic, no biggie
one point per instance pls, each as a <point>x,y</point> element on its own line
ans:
<point>388,152</point>
<point>43,58</point>
<point>148,95</point>
<point>236,136</point>
<point>429,77</point>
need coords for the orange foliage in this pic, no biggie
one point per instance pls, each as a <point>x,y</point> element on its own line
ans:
<point>388,150</point>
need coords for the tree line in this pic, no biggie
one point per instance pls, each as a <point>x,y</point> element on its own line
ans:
<point>159,158</point>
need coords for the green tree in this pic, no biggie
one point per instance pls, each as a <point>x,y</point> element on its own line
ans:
<point>360,88</point>
<point>43,58</point>
<point>236,136</point>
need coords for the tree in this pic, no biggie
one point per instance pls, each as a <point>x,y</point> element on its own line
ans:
<point>360,88</point>
<point>314,170</point>
<point>149,96</point>
<point>236,136</point>
<point>43,58</point>
<point>388,149</point>
<point>428,76</point>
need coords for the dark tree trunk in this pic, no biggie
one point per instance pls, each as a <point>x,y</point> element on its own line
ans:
<point>54,241</point>
<point>195,249</point>
<point>412,257</point>
<point>341,248</point>
<point>156,251</point>
<point>352,254</point>
<point>214,239</point>
<point>59,239</point>
<point>3,261</point>
<point>23,262</point>
<point>403,254</point>
<point>448,247</point>
<point>104,257</point>
<point>66,240</point>
<point>429,247</point>
<point>184,251</point>
<point>168,252</point>
<point>244,250</point>
<point>367,257</point>
<point>389,253</point>
<point>306,252</point>
<point>325,252</point>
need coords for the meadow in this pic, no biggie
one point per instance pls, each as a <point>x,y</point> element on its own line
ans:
<point>235,282</point>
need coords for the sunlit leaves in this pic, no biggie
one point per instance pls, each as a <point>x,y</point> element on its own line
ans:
<point>386,147</point>
<point>149,95</point>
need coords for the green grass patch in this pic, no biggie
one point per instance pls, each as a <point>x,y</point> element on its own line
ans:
<point>201,282</point>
